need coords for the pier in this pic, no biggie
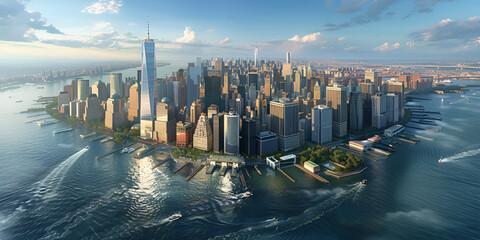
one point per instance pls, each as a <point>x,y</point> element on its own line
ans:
<point>114,151</point>
<point>280,170</point>
<point>62,130</point>
<point>41,124</point>
<point>404,140</point>
<point>223,170</point>
<point>422,137</point>
<point>194,172</point>
<point>181,167</point>
<point>97,138</point>
<point>36,115</point>
<point>339,175</point>
<point>210,169</point>
<point>34,120</point>
<point>256,168</point>
<point>246,170</point>
<point>88,135</point>
<point>321,179</point>
<point>242,179</point>
<point>160,163</point>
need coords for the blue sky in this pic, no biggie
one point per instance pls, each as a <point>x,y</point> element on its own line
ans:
<point>363,30</point>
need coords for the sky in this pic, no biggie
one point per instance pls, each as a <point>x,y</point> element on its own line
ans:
<point>39,31</point>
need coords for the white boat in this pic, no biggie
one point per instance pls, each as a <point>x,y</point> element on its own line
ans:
<point>128,150</point>
<point>442,100</point>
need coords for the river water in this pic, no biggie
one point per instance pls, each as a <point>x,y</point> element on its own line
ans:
<point>52,188</point>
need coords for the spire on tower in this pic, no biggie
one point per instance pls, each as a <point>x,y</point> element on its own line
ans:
<point>148,29</point>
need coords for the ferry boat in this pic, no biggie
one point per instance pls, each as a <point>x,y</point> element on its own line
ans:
<point>364,181</point>
<point>128,150</point>
<point>87,147</point>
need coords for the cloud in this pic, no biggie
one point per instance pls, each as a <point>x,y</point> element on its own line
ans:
<point>342,38</point>
<point>188,35</point>
<point>424,6</point>
<point>225,41</point>
<point>374,12</point>
<point>210,30</point>
<point>104,6</point>
<point>448,29</point>
<point>351,6</point>
<point>410,44</point>
<point>19,24</point>
<point>386,47</point>
<point>102,26</point>
<point>307,38</point>
<point>132,24</point>
<point>350,48</point>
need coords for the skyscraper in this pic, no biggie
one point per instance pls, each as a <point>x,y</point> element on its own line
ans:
<point>100,89</point>
<point>398,89</point>
<point>379,111</point>
<point>165,122</point>
<point>203,138</point>
<point>218,132</point>
<point>231,128</point>
<point>321,124</point>
<point>356,111</point>
<point>284,122</point>
<point>337,100</point>
<point>289,57</point>
<point>134,104</point>
<point>213,89</point>
<point>114,114</point>
<point>83,89</point>
<point>392,108</point>
<point>248,143</point>
<point>93,109</point>
<point>147,100</point>
<point>256,57</point>
<point>116,84</point>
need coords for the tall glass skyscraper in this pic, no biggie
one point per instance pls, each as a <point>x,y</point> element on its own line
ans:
<point>147,100</point>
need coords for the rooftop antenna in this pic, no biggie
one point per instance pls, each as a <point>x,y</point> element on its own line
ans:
<point>148,29</point>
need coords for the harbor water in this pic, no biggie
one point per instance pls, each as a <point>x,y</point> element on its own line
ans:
<point>52,188</point>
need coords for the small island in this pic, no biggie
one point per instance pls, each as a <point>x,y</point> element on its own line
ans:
<point>342,161</point>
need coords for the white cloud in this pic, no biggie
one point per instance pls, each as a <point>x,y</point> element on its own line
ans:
<point>307,38</point>
<point>410,44</point>
<point>104,6</point>
<point>387,47</point>
<point>350,48</point>
<point>342,38</point>
<point>448,29</point>
<point>188,35</point>
<point>225,41</point>
<point>102,26</point>
<point>132,24</point>
<point>210,30</point>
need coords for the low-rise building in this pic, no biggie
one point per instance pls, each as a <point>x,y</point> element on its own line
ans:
<point>311,166</point>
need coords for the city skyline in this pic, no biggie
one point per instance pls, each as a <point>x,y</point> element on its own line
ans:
<point>382,30</point>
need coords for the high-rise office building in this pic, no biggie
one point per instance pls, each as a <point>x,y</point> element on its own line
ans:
<point>398,89</point>
<point>203,137</point>
<point>114,115</point>
<point>183,88</point>
<point>284,122</point>
<point>184,134</point>
<point>337,100</point>
<point>267,142</point>
<point>379,111</point>
<point>248,144</point>
<point>213,89</point>
<point>268,86</point>
<point>162,88</point>
<point>93,109</point>
<point>256,57</point>
<point>83,89</point>
<point>321,124</point>
<point>372,77</point>
<point>100,89</point>
<point>195,112</point>
<point>147,99</point>
<point>165,122</point>
<point>356,111</point>
<point>212,110</point>
<point>218,132</point>
<point>392,108</point>
<point>74,89</point>
<point>289,57</point>
<point>116,84</point>
<point>231,128</point>
<point>134,104</point>
<point>63,98</point>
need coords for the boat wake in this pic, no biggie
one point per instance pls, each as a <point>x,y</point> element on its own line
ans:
<point>274,228</point>
<point>48,185</point>
<point>460,156</point>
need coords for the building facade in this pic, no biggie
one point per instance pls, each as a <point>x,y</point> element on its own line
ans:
<point>321,124</point>
<point>337,100</point>
<point>203,137</point>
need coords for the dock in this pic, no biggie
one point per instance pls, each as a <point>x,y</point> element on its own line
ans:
<point>194,172</point>
<point>242,179</point>
<point>280,170</point>
<point>34,120</point>
<point>234,172</point>
<point>44,123</point>
<point>210,169</point>
<point>107,139</point>
<point>97,138</point>
<point>248,174</point>
<point>62,130</point>
<point>357,153</point>
<point>321,179</point>
<point>377,153</point>
<point>160,163</point>
<point>405,140</point>
<point>88,135</point>
<point>114,151</point>
<point>181,167</point>
<point>36,115</point>
<point>223,170</point>
<point>339,175</point>
<point>256,168</point>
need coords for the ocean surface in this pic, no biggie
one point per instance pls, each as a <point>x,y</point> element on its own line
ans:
<point>52,188</point>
